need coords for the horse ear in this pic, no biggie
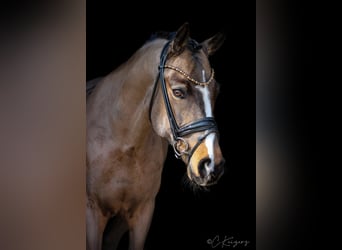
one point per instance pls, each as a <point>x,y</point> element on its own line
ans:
<point>212,44</point>
<point>181,38</point>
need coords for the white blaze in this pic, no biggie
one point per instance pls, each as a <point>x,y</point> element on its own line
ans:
<point>209,143</point>
<point>206,97</point>
<point>209,140</point>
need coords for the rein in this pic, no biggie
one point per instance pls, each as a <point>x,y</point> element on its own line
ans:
<point>208,124</point>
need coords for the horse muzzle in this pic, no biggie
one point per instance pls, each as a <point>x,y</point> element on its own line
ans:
<point>206,173</point>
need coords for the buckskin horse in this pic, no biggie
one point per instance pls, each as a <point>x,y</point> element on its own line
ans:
<point>163,95</point>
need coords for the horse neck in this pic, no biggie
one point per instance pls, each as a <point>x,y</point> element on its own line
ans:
<point>128,91</point>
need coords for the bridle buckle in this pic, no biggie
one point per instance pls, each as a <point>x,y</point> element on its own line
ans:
<point>180,147</point>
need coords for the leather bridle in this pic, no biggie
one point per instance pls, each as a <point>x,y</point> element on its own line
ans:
<point>208,124</point>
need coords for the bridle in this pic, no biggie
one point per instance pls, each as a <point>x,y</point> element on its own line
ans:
<point>208,124</point>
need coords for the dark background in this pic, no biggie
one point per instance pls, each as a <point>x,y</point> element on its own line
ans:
<point>184,219</point>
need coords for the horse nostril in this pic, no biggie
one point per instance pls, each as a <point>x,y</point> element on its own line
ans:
<point>201,166</point>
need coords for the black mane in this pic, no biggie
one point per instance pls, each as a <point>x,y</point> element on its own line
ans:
<point>161,34</point>
<point>193,45</point>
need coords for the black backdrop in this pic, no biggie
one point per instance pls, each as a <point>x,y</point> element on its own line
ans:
<point>182,219</point>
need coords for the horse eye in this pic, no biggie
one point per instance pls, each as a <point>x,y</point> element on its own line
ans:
<point>178,93</point>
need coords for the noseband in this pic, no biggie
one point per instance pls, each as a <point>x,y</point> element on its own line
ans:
<point>208,124</point>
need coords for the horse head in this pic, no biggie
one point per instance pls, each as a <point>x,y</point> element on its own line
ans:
<point>184,112</point>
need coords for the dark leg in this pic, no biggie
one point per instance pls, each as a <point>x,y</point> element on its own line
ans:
<point>114,231</point>
<point>139,225</point>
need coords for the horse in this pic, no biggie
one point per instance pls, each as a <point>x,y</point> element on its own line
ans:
<point>162,96</point>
